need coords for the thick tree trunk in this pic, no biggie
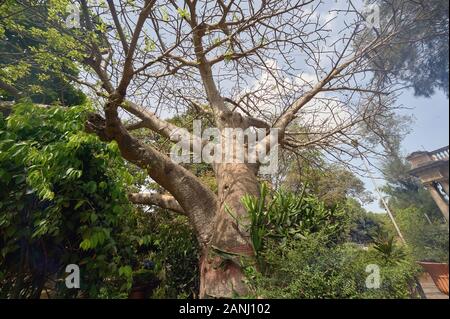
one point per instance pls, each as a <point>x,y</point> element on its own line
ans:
<point>221,273</point>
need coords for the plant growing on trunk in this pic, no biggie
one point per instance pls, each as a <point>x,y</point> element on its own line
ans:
<point>289,216</point>
<point>243,64</point>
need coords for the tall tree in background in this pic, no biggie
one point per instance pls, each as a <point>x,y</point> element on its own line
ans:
<point>246,64</point>
<point>25,71</point>
<point>421,56</point>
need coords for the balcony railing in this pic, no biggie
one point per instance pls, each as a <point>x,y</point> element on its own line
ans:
<point>440,154</point>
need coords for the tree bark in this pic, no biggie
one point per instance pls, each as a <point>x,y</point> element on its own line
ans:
<point>221,273</point>
<point>196,200</point>
<point>153,199</point>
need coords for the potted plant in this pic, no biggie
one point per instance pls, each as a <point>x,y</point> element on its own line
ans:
<point>144,281</point>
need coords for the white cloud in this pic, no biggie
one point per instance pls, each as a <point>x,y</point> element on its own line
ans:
<point>273,92</point>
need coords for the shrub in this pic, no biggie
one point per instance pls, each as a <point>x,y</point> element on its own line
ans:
<point>284,216</point>
<point>428,238</point>
<point>302,253</point>
<point>171,244</point>
<point>309,268</point>
<point>63,201</point>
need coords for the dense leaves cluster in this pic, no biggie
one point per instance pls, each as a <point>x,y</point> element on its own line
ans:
<point>26,67</point>
<point>304,250</point>
<point>172,246</point>
<point>63,201</point>
<point>313,268</point>
<point>285,216</point>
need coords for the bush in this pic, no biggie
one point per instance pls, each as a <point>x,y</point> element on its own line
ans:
<point>284,216</point>
<point>172,246</point>
<point>63,201</point>
<point>302,252</point>
<point>310,269</point>
<point>428,241</point>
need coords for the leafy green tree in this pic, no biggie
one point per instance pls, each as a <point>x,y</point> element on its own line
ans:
<point>420,56</point>
<point>364,225</point>
<point>25,68</point>
<point>428,241</point>
<point>331,183</point>
<point>334,185</point>
<point>405,190</point>
<point>63,201</point>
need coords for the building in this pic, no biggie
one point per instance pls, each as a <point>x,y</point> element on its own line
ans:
<point>432,170</point>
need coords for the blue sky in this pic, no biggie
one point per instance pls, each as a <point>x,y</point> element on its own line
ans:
<point>431,127</point>
<point>429,131</point>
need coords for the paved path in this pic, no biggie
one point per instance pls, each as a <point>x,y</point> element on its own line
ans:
<point>430,289</point>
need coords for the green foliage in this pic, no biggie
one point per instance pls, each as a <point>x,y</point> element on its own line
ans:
<point>311,268</point>
<point>26,63</point>
<point>63,201</point>
<point>183,13</point>
<point>332,184</point>
<point>171,244</point>
<point>364,225</point>
<point>388,250</point>
<point>428,241</point>
<point>416,213</point>
<point>420,55</point>
<point>405,190</point>
<point>302,253</point>
<point>285,216</point>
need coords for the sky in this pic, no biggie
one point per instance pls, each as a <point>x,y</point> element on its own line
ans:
<point>431,127</point>
<point>429,131</point>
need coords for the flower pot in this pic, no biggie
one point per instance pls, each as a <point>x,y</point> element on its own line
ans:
<point>138,293</point>
<point>141,290</point>
<point>439,273</point>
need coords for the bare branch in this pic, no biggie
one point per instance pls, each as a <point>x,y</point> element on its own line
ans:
<point>163,201</point>
<point>118,26</point>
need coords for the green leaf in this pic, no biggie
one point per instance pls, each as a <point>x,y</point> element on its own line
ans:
<point>91,187</point>
<point>93,217</point>
<point>79,203</point>
<point>184,13</point>
<point>165,15</point>
<point>125,271</point>
<point>85,244</point>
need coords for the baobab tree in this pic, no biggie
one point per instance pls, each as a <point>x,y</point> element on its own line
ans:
<point>295,66</point>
